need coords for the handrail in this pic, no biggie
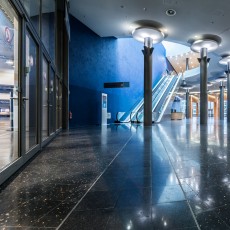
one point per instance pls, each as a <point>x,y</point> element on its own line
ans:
<point>137,106</point>
<point>157,91</point>
<point>159,95</point>
<point>172,83</point>
<point>158,98</point>
<point>165,104</point>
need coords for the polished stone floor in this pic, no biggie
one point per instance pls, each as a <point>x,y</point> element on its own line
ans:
<point>173,175</point>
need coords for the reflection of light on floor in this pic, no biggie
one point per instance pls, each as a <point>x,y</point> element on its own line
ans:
<point>129,225</point>
<point>142,218</point>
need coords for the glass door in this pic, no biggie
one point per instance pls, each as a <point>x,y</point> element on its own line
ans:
<point>29,99</point>
<point>52,114</point>
<point>9,81</point>
<point>45,102</point>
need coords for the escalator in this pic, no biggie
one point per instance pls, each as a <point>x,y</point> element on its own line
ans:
<point>161,95</point>
<point>123,117</point>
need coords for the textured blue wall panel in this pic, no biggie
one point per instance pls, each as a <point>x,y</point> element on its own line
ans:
<point>94,61</point>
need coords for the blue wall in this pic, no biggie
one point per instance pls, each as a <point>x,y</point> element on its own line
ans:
<point>94,61</point>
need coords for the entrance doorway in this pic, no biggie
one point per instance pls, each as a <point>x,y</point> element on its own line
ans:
<point>9,79</point>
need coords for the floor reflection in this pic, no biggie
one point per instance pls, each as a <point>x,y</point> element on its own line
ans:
<point>173,175</point>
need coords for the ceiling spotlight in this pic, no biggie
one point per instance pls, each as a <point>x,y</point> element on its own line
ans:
<point>170,12</point>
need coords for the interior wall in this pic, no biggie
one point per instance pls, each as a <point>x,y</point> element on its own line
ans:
<point>94,61</point>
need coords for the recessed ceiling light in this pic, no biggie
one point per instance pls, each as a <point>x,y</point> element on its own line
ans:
<point>144,9</point>
<point>170,12</point>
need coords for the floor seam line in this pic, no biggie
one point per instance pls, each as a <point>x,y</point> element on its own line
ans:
<point>193,215</point>
<point>93,184</point>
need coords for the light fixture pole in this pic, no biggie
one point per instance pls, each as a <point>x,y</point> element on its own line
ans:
<point>187,87</point>
<point>226,61</point>
<point>221,101</point>
<point>149,36</point>
<point>187,115</point>
<point>203,46</point>
<point>147,51</point>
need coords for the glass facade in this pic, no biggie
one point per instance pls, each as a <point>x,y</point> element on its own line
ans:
<point>48,26</point>
<point>52,116</point>
<point>32,8</point>
<point>9,82</point>
<point>45,102</point>
<point>30,86</point>
<point>30,101</point>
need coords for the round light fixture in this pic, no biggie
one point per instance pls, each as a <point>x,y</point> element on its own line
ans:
<point>186,86</point>
<point>170,12</point>
<point>225,60</point>
<point>221,78</point>
<point>141,33</point>
<point>211,45</point>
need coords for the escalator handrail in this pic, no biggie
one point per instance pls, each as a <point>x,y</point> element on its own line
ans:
<point>159,92</point>
<point>141,103</point>
<point>164,95</point>
<point>168,99</point>
<point>158,98</point>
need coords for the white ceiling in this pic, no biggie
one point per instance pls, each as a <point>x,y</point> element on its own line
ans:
<point>193,20</point>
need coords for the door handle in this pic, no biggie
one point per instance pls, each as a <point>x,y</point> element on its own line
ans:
<point>25,98</point>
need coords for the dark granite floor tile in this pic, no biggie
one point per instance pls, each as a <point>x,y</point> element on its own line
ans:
<point>138,172</point>
<point>24,228</point>
<point>56,215</point>
<point>197,204</point>
<point>106,183</point>
<point>164,179</point>
<point>223,213</point>
<point>210,221</point>
<point>27,213</point>
<point>163,194</point>
<point>130,219</point>
<point>137,197</point>
<point>112,172</point>
<point>87,220</point>
<point>214,196</point>
<point>134,182</point>
<point>98,200</point>
<point>174,215</point>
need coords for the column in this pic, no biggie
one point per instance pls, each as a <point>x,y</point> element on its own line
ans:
<point>187,104</point>
<point>228,91</point>
<point>148,50</point>
<point>221,101</point>
<point>203,86</point>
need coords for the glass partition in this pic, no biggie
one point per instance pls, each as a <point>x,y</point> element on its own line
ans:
<point>57,102</point>
<point>60,105</point>
<point>30,98</point>
<point>48,26</point>
<point>9,27</point>
<point>52,116</point>
<point>45,103</point>
<point>33,10</point>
